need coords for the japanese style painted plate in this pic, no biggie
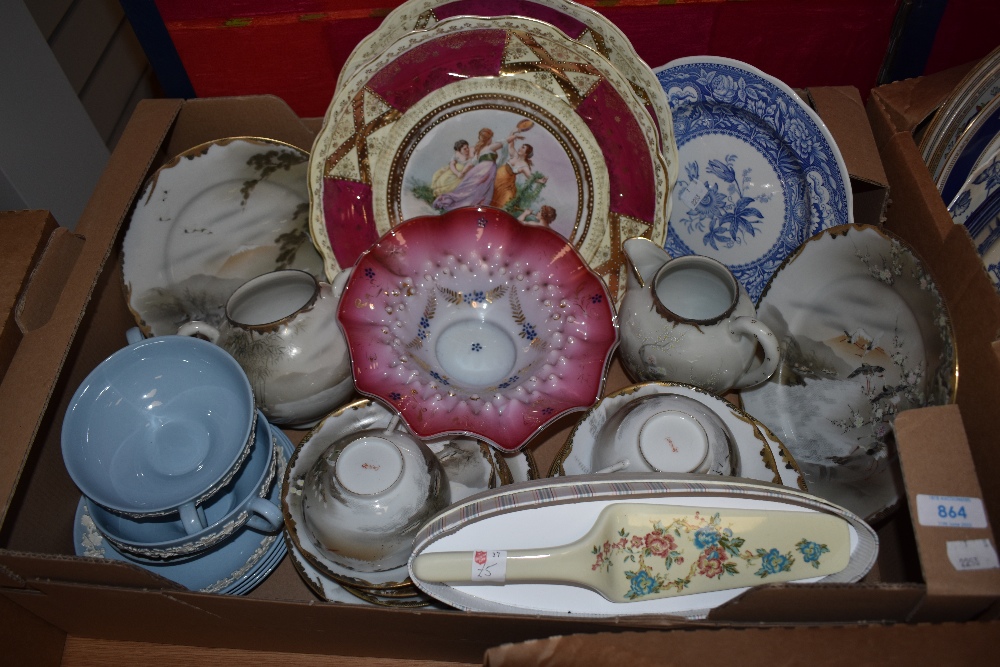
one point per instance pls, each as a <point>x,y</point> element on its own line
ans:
<point>355,132</point>
<point>471,467</point>
<point>864,335</point>
<point>760,455</point>
<point>234,567</point>
<point>973,93</point>
<point>760,172</point>
<point>551,512</point>
<point>502,141</point>
<point>580,23</point>
<point>212,218</point>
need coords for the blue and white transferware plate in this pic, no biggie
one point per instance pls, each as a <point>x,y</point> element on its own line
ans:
<point>864,335</point>
<point>957,113</point>
<point>977,206</point>
<point>969,150</point>
<point>233,567</point>
<point>760,173</point>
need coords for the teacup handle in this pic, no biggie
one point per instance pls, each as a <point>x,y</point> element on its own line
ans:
<point>267,518</point>
<point>197,327</point>
<point>193,518</point>
<point>754,328</point>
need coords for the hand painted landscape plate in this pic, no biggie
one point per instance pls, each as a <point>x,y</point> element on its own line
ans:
<point>553,512</point>
<point>582,24</point>
<point>761,456</point>
<point>760,172</point>
<point>354,136</point>
<point>864,335</point>
<point>470,466</point>
<point>212,218</point>
<point>233,567</point>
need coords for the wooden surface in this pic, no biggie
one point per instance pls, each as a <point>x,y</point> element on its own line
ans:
<point>82,652</point>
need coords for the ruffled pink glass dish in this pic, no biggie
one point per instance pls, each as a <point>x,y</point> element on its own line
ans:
<point>474,323</point>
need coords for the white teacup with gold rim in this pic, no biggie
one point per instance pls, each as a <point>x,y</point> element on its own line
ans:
<point>665,433</point>
<point>365,498</point>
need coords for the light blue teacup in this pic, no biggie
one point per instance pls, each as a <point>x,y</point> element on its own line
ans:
<point>243,502</point>
<point>159,427</point>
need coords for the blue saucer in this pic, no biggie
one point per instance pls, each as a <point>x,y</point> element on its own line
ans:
<point>233,567</point>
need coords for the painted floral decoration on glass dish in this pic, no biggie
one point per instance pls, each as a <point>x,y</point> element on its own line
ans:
<point>475,323</point>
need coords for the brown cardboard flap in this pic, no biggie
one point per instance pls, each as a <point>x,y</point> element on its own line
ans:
<point>821,603</point>
<point>912,101</point>
<point>25,234</point>
<point>843,112</point>
<point>27,387</point>
<point>31,567</point>
<point>948,643</point>
<point>27,639</point>
<point>48,280</point>
<point>264,116</point>
<point>935,460</point>
<point>104,611</point>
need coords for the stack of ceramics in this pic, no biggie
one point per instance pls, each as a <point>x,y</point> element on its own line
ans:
<point>961,147</point>
<point>177,466</point>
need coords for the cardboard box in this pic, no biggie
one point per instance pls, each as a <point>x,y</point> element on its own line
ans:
<point>76,295</point>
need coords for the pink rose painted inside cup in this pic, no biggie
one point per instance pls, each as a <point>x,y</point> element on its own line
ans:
<point>475,323</point>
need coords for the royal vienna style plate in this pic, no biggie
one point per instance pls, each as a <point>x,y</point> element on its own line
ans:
<point>212,218</point>
<point>352,145</point>
<point>582,24</point>
<point>864,335</point>
<point>759,171</point>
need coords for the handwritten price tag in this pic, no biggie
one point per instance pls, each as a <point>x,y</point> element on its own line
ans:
<point>691,195</point>
<point>489,566</point>
<point>950,511</point>
<point>973,555</point>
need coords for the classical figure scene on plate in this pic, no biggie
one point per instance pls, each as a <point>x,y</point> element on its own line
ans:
<point>493,158</point>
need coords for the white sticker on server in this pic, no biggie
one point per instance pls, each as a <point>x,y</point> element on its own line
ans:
<point>950,511</point>
<point>489,566</point>
<point>973,555</point>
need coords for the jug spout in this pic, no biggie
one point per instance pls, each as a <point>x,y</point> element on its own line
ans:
<point>644,259</point>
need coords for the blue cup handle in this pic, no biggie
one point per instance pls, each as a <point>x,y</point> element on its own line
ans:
<point>266,517</point>
<point>134,335</point>
<point>193,518</point>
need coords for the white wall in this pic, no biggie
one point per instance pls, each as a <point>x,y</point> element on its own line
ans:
<point>71,71</point>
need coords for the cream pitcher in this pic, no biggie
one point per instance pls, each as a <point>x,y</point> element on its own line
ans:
<point>689,320</point>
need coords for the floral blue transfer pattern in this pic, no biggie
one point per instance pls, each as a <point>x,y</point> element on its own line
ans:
<point>719,211</point>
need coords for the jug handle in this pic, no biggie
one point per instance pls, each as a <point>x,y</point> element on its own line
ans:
<point>339,281</point>
<point>196,327</point>
<point>644,258</point>
<point>754,328</point>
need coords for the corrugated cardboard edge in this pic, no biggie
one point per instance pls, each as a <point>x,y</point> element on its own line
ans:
<point>765,647</point>
<point>31,376</point>
<point>945,450</point>
<point>25,234</point>
<point>945,470</point>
